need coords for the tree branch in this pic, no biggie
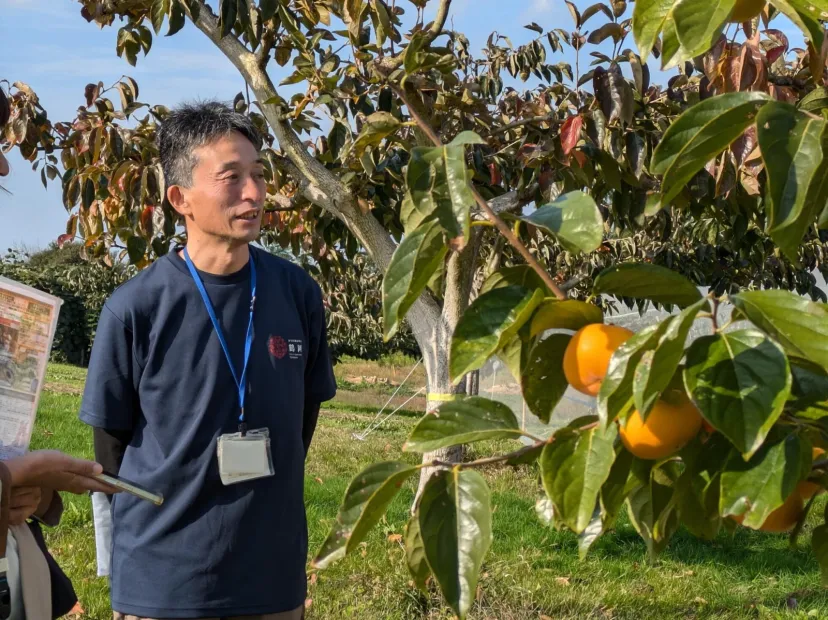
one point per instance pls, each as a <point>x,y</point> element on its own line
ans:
<point>265,47</point>
<point>525,121</point>
<point>392,63</point>
<point>484,206</point>
<point>512,200</point>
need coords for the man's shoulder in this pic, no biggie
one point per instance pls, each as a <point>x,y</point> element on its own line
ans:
<point>283,268</point>
<point>140,293</point>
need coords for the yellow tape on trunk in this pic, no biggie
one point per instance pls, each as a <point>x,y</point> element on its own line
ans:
<point>445,397</point>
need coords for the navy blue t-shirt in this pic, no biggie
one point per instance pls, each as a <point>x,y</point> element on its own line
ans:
<point>157,368</point>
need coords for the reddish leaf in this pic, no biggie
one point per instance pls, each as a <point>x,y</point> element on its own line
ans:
<point>146,219</point>
<point>779,37</point>
<point>744,146</point>
<point>64,239</point>
<point>495,178</point>
<point>773,54</point>
<point>744,71</point>
<point>816,62</point>
<point>570,132</point>
<point>91,93</point>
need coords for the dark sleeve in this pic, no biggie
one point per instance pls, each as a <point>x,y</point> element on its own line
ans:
<point>110,393</point>
<point>311,416</point>
<point>110,446</point>
<point>320,384</point>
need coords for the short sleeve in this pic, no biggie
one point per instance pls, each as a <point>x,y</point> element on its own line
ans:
<point>109,396</point>
<point>320,383</point>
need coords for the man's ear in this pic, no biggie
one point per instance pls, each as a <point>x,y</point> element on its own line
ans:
<point>177,196</point>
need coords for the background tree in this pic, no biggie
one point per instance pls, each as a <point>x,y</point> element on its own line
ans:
<point>433,165</point>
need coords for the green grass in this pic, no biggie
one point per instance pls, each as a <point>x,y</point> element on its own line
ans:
<point>530,572</point>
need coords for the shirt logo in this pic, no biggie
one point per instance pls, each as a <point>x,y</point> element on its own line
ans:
<point>279,348</point>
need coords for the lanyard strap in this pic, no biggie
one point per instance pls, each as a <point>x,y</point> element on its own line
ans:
<point>241,382</point>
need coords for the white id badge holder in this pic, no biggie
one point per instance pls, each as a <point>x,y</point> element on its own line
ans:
<point>244,458</point>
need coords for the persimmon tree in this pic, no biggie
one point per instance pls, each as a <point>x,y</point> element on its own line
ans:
<point>507,220</point>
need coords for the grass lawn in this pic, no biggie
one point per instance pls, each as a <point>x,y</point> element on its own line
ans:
<point>530,572</point>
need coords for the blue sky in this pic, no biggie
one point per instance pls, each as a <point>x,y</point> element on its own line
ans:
<point>47,44</point>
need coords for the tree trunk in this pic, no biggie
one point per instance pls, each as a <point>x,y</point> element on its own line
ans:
<point>473,383</point>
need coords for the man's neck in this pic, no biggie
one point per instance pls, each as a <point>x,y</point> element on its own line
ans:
<point>217,258</point>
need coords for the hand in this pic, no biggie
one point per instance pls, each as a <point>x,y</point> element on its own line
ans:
<point>56,470</point>
<point>24,503</point>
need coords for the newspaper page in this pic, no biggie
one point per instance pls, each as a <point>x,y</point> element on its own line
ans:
<point>28,319</point>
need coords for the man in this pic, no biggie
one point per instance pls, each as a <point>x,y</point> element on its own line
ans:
<point>163,395</point>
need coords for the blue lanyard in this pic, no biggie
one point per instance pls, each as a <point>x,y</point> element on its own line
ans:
<point>241,382</point>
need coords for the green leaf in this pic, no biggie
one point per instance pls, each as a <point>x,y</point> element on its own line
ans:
<point>490,322</point>
<point>740,382</point>
<point>382,23</point>
<point>515,354</point>
<point>814,101</point>
<point>697,500</point>
<point>652,511</point>
<point>177,18</point>
<point>412,57</point>
<point>647,23</point>
<point>456,526</point>
<point>463,421</point>
<point>160,9</point>
<point>466,137</point>
<point>567,314</point>
<point>268,8</point>
<point>672,52</point>
<point>805,14</point>
<point>365,501</point>
<point>543,382</point>
<point>517,275</point>
<point>655,371</point>
<point>377,127</point>
<point>227,18</point>
<point>809,390</point>
<point>647,281</point>
<point>699,134</point>
<point>88,196</point>
<point>573,219</point>
<point>819,544</point>
<point>457,181</point>
<point>418,256</point>
<point>615,398</point>
<point>337,139</point>
<point>573,468</point>
<point>757,487</point>
<point>437,184</point>
<point>415,553</point>
<point>799,325</point>
<point>700,22</point>
<point>618,485</point>
<point>792,150</point>
<point>136,249</point>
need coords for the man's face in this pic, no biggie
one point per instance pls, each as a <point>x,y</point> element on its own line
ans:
<point>227,192</point>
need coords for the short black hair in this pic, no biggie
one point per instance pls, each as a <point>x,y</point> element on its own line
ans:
<point>193,125</point>
<point>5,109</point>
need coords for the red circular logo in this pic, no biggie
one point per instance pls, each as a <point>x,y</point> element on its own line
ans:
<point>277,347</point>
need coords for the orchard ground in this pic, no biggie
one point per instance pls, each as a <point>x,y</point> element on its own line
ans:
<point>531,571</point>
